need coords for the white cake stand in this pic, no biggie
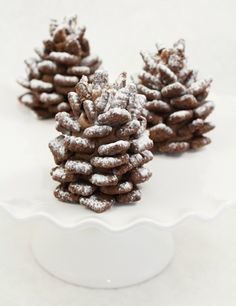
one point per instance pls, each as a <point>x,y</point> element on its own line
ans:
<point>125,245</point>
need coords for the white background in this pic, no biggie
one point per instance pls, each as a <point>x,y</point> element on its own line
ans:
<point>204,269</point>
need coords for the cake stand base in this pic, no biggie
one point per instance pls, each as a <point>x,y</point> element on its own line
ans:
<point>98,258</point>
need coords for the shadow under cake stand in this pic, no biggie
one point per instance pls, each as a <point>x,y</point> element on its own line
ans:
<point>125,245</point>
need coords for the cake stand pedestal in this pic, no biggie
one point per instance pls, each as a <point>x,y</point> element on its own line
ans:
<point>98,258</point>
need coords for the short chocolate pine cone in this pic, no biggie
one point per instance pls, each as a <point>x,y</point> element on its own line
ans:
<point>59,65</point>
<point>103,144</point>
<point>176,108</point>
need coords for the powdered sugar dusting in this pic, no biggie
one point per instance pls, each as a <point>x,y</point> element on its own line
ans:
<point>64,58</point>
<point>206,108</point>
<point>142,143</point>
<point>82,188</point>
<point>79,167</point>
<point>58,148</point>
<point>67,121</point>
<point>103,180</point>
<point>180,115</point>
<point>39,85</point>
<point>96,204</point>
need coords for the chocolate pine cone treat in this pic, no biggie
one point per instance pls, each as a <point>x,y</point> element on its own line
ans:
<point>176,106</point>
<point>59,65</point>
<point>103,145</point>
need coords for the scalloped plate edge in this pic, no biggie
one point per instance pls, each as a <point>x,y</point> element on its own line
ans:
<point>92,222</point>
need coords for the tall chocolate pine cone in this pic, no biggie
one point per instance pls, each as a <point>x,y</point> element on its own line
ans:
<point>176,106</point>
<point>103,144</point>
<point>59,65</point>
